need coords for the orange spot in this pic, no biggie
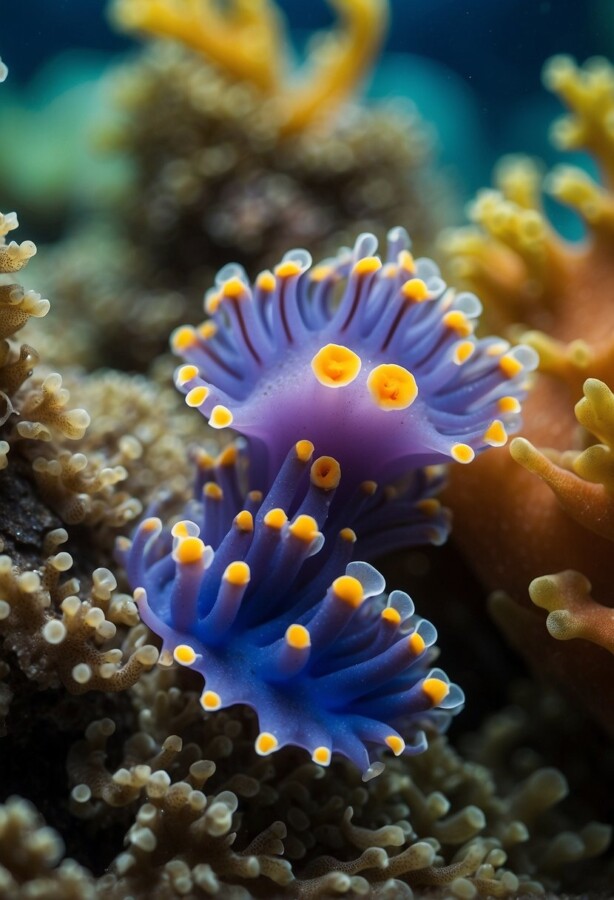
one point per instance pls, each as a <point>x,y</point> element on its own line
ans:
<point>237,573</point>
<point>183,338</point>
<point>392,387</point>
<point>304,450</point>
<point>207,330</point>
<point>244,520</point>
<point>462,453</point>
<point>463,351</point>
<point>197,396</point>
<point>320,273</point>
<point>326,473</point>
<point>416,290</point>
<point>212,303</point>
<point>305,528</point>
<point>180,530</point>
<point>430,506</point>
<point>298,637</point>
<point>367,265</point>
<point>266,281</point>
<point>436,690</point>
<point>458,322</point>
<point>347,534</point>
<point>184,654</point>
<point>321,755</point>
<point>220,417</point>
<point>349,590</point>
<point>234,288</point>
<point>335,365</point>
<point>406,261</point>
<point>151,524</point>
<point>495,434</point>
<point>186,374</point>
<point>211,701</point>
<point>368,487</point>
<point>213,491</point>
<point>189,550</point>
<point>266,743</point>
<point>510,366</point>
<point>391,615</point>
<point>287,269</point>
<point>508,405</point>
<point>275,518</point>
<point>416,643</point>
<point>396,744</point>
<point>203,459</point>
<point>228,456</point>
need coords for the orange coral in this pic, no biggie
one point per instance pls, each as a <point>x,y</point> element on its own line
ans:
<point>247,42</point>
<point>556,296</point>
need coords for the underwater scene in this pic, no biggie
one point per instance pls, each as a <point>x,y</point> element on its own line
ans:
<point>306,449</point>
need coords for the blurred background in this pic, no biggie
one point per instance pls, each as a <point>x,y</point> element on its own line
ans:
<point>472,67</point>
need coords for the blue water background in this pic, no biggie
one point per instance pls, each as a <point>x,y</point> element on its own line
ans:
<point>472,68</point>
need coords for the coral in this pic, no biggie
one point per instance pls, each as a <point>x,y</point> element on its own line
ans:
<point>211,816</point>
<point>388,380</point>
<point>553,294</point>
<point>213,180</point>
<point>216,183</point>
<point>29,854</point>
<point>246,43</point>
<point>57,637</point>
<point>116,462</point>
<point>329,662</point>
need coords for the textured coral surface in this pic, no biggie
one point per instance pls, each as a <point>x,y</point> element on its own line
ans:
<point>553,510</point>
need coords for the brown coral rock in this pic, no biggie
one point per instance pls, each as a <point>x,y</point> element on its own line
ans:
<point>552,512</point>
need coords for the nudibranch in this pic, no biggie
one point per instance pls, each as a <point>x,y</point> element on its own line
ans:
<point>259,595</point>
<point>373,361</point>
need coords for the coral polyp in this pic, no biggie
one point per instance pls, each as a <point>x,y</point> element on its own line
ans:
<point>375,362</point>
<point>272,612</point>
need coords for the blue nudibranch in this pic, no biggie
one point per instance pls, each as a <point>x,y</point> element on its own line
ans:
<point>259,594</point>
<point>375,362</point>
<point>376,365</point>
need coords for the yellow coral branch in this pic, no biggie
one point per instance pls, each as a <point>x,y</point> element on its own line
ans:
<point>338,65</point>
<point>576,188</point>
<point>595,411</point>
<point>591,505</point>
<point>588,91</point>
<point>572,611</point>
<point>567,361</point>
<point>244,40</point>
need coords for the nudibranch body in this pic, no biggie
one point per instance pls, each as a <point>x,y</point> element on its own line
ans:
<point>374,362</point>
<point>259,595</point>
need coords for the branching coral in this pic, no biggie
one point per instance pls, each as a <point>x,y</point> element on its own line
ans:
<point>556,296</point>
<point>213,817</point>
<point>58,637</point>
<point>29,854</point>
<point>245,41</point>
<point>114,467</point>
